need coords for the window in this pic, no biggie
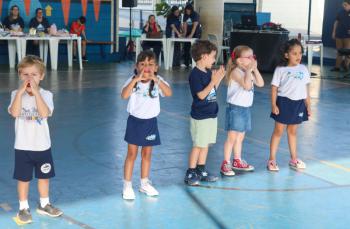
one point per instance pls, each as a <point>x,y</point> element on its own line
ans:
<point>294,15</point>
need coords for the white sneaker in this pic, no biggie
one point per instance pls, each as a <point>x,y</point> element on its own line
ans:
<point>148,189</point>
<point>128,193</point>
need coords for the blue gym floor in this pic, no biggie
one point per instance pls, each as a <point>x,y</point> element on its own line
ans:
<point>87,131</point>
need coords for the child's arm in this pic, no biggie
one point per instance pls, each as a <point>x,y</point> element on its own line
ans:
<point>41,105</point>
<point>274,106</point>
<point>216,78</point>
<point>259,81</point>
<point>246,81</point>
<point>16,106</point>
<point>127,90</point>
<point>165,88</point>
<point>308,101</point>
<point>334,29</point>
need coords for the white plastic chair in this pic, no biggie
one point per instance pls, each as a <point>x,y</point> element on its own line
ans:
<point>214,39</point>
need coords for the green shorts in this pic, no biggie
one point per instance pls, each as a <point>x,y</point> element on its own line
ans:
<point>204,131</point>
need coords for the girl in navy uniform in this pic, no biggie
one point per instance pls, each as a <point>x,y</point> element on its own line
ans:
<point>142,90</point>
<point>290,102</point>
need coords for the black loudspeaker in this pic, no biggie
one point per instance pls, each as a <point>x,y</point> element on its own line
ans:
<point>129,3</point>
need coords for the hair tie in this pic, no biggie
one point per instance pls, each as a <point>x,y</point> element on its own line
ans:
<point>233,55</point>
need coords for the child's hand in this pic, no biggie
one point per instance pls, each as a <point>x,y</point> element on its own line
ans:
<point>34,87</point>
<point>254,65</point>
<point>22,88</point>
<point>140,76</point>
<point>308,108</point>
<point>275,110</point>
<point>218,75</point>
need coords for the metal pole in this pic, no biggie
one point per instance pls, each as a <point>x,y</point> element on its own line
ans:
<point>130,26</point>
<point>309,21</point>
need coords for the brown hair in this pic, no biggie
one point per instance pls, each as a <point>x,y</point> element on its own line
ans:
<point>144,55</point>
<point>201,47</point>
<point>232,62</point>
<point>31,60</point>
<point>346,1</point>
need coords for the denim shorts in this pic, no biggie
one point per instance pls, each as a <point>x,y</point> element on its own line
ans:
<point>238,118</point>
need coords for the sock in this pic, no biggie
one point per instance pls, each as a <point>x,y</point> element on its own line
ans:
<point>144,181</point>
<point>200,167</point>
<point>44,201</point>
<point>23,205</point>
<point>191,170</point>
<point>127,184</point>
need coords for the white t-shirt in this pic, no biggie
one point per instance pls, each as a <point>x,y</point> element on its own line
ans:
<point>140,104</point>
<point>291,81</point>
<point>239,96</point>
<point>32,131</point>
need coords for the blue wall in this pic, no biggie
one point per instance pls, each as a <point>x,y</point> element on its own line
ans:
<point>96,31</point>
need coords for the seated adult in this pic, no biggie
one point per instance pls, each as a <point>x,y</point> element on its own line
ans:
<point>150,28</point>
<point>13,22</point>
<point>39,22</point>
<point>78,28</point>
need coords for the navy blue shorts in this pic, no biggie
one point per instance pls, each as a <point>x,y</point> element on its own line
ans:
<point>142,132</point>
<point>238,118</point>
<point>291,111</point>
<point>26,161</point>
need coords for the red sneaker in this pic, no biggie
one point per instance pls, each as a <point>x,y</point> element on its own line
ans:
<point>241,165</point>
<point>226,169</point>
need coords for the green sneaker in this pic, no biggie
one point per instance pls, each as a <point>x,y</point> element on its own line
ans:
<point>24,216</point>
<point>49,210</point>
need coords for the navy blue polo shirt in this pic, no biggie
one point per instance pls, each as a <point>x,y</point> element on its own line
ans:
<point>208,107</point>
<point>190,19</point>
<point>343,27</point>
<point>172,21</point>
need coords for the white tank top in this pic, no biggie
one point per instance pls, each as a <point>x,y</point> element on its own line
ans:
<point>237,95</point>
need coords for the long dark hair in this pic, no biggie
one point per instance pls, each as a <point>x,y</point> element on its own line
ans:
<point>172,11</point>
<point>11,15</point>
<point>150,55</point>
<point>283,61</point>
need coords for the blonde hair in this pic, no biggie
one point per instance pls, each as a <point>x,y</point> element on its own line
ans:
<point>31,60</point>
<point>232,62</point>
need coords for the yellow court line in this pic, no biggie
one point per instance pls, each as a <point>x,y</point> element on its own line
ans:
<point>327,163</point>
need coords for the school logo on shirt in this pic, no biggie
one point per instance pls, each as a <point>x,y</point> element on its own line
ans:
<point>296,75</point>
<point>151,137</point>
<point>145,93</point>
<point>212,95</point>
<point>45,168</point>
<point>30,115</point>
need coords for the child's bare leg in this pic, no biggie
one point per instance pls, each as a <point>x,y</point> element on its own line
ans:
<point>23,190</point>
<point>238,145</point>
<point>230,141</point>
<point>43,188</point>
<point>129,161</point>
<point>275,139</point>
<point>203,153</point>
<point>146,153</point>
<point>194,156</point>
<point>292,140</point>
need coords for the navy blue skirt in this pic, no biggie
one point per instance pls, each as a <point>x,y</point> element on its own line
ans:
<point>291,111</point>
<point>142,132</point>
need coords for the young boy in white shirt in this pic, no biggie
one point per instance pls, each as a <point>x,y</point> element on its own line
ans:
<point>31,106</point>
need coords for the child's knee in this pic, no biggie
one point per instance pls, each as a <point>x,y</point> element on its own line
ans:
<point>278,132</point>
<point>131,156</point>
